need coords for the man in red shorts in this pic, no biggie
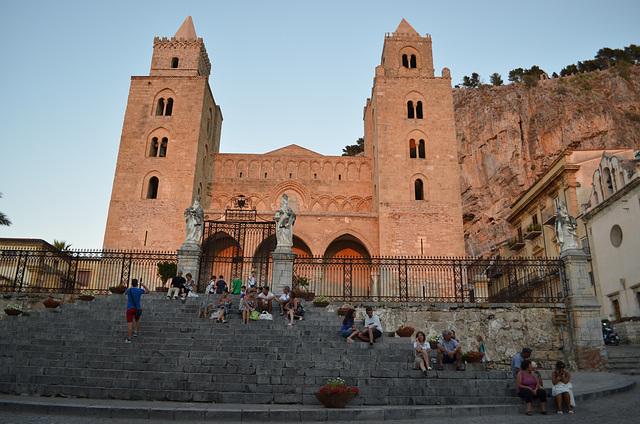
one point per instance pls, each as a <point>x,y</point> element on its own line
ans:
<point>134,295</point>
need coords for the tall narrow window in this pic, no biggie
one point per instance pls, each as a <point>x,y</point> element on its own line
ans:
<point>419,110</point>
<point>412,148</point>
<point>160,107</point>
<point>421,149</point>
<point>413,61</point>
<point>174,62</point>
<point>152,189</point>
<point>608,184</point>
<point>419,189</point>
<point>410,110</point>
<point>163,147</point>
<point>169,108</point>
<point>405,61</point>
<point>153,152</point>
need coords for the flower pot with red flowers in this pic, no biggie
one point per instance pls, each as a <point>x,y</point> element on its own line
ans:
<point>119,289</point>
<point>405,331</point>
<point>51,303</point>
<point>336,394</point>
<point>342,311</point>
<point>472,357</point>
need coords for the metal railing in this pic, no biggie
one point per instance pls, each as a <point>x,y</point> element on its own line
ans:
<point>45,271</point>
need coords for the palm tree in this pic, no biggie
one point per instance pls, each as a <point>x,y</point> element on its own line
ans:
<point>3,218</point>
<point>61,244</point>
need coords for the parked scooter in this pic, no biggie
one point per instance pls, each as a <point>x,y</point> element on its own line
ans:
<point>610,335</point>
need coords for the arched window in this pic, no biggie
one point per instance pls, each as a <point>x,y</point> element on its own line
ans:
<point>412,148</point>
<point>410,110</point>
<point>608,183</point>
<point>421,149</point>
<point>419,190</point>
<point>163,147</point>
<point>169,109</point>
<point>160,107</point>
<point>209,119</point>
<point>620,180</point>
<point>174,62</point>
<point>419,110</point>
<point>152,188</point>
<point>153,152</point>
<point>413,61</point>
<point>405,61</point>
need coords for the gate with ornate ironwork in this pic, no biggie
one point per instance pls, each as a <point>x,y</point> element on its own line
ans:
<point>238,243</point>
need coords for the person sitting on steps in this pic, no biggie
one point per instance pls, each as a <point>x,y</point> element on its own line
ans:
<point>176,287</point>
<point>265,300</point>
<point>449,351</point>
<point>421,349</point>
<point>224,305</point>
<point>372,327</point>
<point>349,329</point>
<point>529,387</point>
<point>248,306</point>
<point>294,309</point>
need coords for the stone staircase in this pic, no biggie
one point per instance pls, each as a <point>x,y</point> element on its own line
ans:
<point>79,351</point>
<point>624,359</point>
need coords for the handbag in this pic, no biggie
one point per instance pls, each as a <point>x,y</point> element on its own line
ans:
<point>138,310</point>
<point>265,316</point>
<point>254,315</point>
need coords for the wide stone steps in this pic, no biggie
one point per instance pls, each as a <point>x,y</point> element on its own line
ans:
<point>80,352</point>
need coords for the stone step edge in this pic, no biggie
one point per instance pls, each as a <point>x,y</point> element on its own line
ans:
<point>190,411</point>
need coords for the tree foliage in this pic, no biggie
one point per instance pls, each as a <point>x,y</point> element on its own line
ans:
<point>496,79</point>
<point>605,58</point>
<point>471,82</point>
<point>61,244</point>
<point>3,218</point>
<point>167,270</point>
<point>354,149</point>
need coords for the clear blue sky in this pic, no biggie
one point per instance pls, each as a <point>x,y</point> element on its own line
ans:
<point>283,72</point>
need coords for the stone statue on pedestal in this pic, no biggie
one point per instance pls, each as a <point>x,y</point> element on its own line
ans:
<point>285,218</point>
<point>194,217</point>
<point>566,228</point>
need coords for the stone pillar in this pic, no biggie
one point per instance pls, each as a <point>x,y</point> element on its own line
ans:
<point>189,260</point>
<point>282,268</point>
<point>585,346</point>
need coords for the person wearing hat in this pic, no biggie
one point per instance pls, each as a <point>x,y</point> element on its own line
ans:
<point>372,327</point>
<point>284,299</point>
<point>516,361</point>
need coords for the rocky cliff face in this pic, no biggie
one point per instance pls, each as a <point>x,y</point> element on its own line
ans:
<point>508,136</point>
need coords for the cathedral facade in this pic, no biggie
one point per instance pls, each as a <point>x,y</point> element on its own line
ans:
<point>400,197</point>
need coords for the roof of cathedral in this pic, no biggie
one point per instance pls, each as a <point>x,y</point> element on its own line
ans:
<point>405,28</point>
<point>187,31</point>
<point>293,150</point>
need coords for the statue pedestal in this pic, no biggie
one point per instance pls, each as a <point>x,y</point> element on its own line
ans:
<point>282,268</point>
<point>189,260</point>
<point>586,348</point>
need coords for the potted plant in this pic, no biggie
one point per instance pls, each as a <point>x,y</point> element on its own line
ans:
<point>51,303</point>
<point>472,357</point>
<point>321,302</point>
<point>166,270</point>
<point>405,331</point>
<point>87,296</point>
<point>13,310</point>
<point>119,289</point>
<point>433,341</point>
<point>300,288</point>
<point>336,394</point>
<point>343,309</point>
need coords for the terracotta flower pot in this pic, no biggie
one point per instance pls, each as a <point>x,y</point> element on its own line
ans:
<point>405,333</point>
<point>433,345</point>
<point>472,359</point>
<point>321,304</point>
<point>12,313</point>
<point>162,289</point>
<point>310,296</point>
<point>342,312</point>
<point>51,303</point>
<point>117,289</point>
<point>87,298</point>
<point>336,401</point>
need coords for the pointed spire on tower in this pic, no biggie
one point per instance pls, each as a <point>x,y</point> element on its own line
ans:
<point>405,28</point>
<point>187,31</point>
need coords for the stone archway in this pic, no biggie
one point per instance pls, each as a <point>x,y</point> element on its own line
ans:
<point>347,245</point>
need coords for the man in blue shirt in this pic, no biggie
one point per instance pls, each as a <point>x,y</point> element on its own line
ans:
<point>221,285</point>
<point>134,295</point>
<point>449,351</point>
<point>516,361</point>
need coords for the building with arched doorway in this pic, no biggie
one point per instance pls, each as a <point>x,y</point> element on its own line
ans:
<point>399,197</point>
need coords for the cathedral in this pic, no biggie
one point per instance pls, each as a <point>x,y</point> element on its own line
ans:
<point>399,197</point>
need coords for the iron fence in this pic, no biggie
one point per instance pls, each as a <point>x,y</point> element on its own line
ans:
<point>75,271</point>
<point>384,279</point>
<point>416,279</point>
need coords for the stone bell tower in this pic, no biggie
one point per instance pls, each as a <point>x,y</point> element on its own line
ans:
<point>410,133</point>
<point>170,133</point>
